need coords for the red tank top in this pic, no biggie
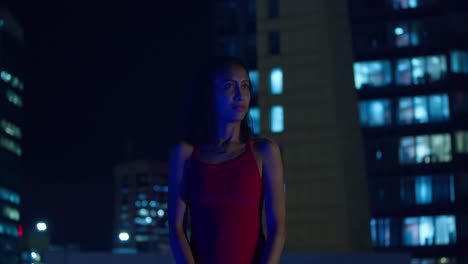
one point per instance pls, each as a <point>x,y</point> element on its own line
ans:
<point>225,201</point>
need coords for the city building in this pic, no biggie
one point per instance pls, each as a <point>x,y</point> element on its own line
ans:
<point>411,77</point>
<point>308,105</point>
<point>11,123</point>
<point>140,207</point>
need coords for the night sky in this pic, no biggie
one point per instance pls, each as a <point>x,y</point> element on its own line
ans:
<point>96,74</point>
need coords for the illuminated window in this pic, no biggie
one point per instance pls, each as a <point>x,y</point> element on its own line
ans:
<point>459,61</point>
<point>9,196</point>
<point>443,260</point>
<point>405,4</point>
<point>14,98</point>
<point>10,145</point>
<point>141,238</point>
<point>439,109</point>
<point>277,119</point>
<point>422,190</point>
<point>11,213</point>
<point>372,74</point>
<point>402,35</point>
<point>276,81</point>
<point>423,109</point>
<point>412,33</point>
<point>6,76</point>
<point>15,82</point>
<point>253,76</point>
<point>8,229</point>
<point>425,149</point>
<point>420,70</point>
<point>461,142</point>
<point>10,128</point>
<point>380,232</point>
<point>418,231</point>
<point>445,230</point>
<point>375,112</point>
<point>254,113</point>
<point>160,188</point>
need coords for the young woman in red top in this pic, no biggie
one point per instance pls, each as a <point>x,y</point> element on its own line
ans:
<point>223,176</point>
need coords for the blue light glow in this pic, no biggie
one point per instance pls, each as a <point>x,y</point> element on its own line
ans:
<point>276,81</point>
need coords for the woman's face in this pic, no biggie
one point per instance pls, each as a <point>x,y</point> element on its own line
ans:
<point>232,93</point>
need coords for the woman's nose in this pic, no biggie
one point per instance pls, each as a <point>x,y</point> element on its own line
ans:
<point>238,93</point>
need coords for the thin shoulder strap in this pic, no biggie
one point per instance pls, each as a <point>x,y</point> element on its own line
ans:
<point>249,144</point>
<point>196,152</point>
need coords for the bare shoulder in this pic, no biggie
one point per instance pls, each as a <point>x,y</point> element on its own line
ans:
<point>265,146</point>
<point>182,150</point>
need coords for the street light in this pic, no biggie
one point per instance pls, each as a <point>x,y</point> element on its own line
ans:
<point>41,226</point>
<point>124,236</point>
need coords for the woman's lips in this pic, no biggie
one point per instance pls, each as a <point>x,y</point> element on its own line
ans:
<point>239,108</point>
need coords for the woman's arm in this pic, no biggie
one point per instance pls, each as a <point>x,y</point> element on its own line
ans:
<point>176,204</point>
<point>274,201</point>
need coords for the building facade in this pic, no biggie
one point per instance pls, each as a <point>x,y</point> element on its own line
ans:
<point>410,73</point>
<point>11,123</point>
<point>140,214</point>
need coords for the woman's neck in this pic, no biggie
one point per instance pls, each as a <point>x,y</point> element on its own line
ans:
<point>227,133</point>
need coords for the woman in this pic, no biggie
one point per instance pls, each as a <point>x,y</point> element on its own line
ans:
<point>223,176</point>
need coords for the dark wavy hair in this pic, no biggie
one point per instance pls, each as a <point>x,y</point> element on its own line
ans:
<point>199,124</point>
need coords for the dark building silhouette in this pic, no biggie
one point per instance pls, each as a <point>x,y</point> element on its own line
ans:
<point>11,123</point>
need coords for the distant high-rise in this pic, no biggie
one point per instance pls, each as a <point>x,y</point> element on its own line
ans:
<point>411,76</point>
<point>140,207</point>
<point>11,122</point>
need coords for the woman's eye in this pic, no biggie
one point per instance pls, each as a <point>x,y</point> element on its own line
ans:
<point>228,86</point>
<point>246,86</point>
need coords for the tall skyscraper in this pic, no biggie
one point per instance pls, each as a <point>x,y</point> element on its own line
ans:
<point>305,101</point>
<point>411,74</point>
<point>140,210</point>
<point>11,121</point>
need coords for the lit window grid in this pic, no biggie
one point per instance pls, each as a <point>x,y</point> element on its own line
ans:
<point>425,148</point>
<point>438,230</point>
<point>423,109</point>
<point>408,71</point>
<point>420,70</point>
